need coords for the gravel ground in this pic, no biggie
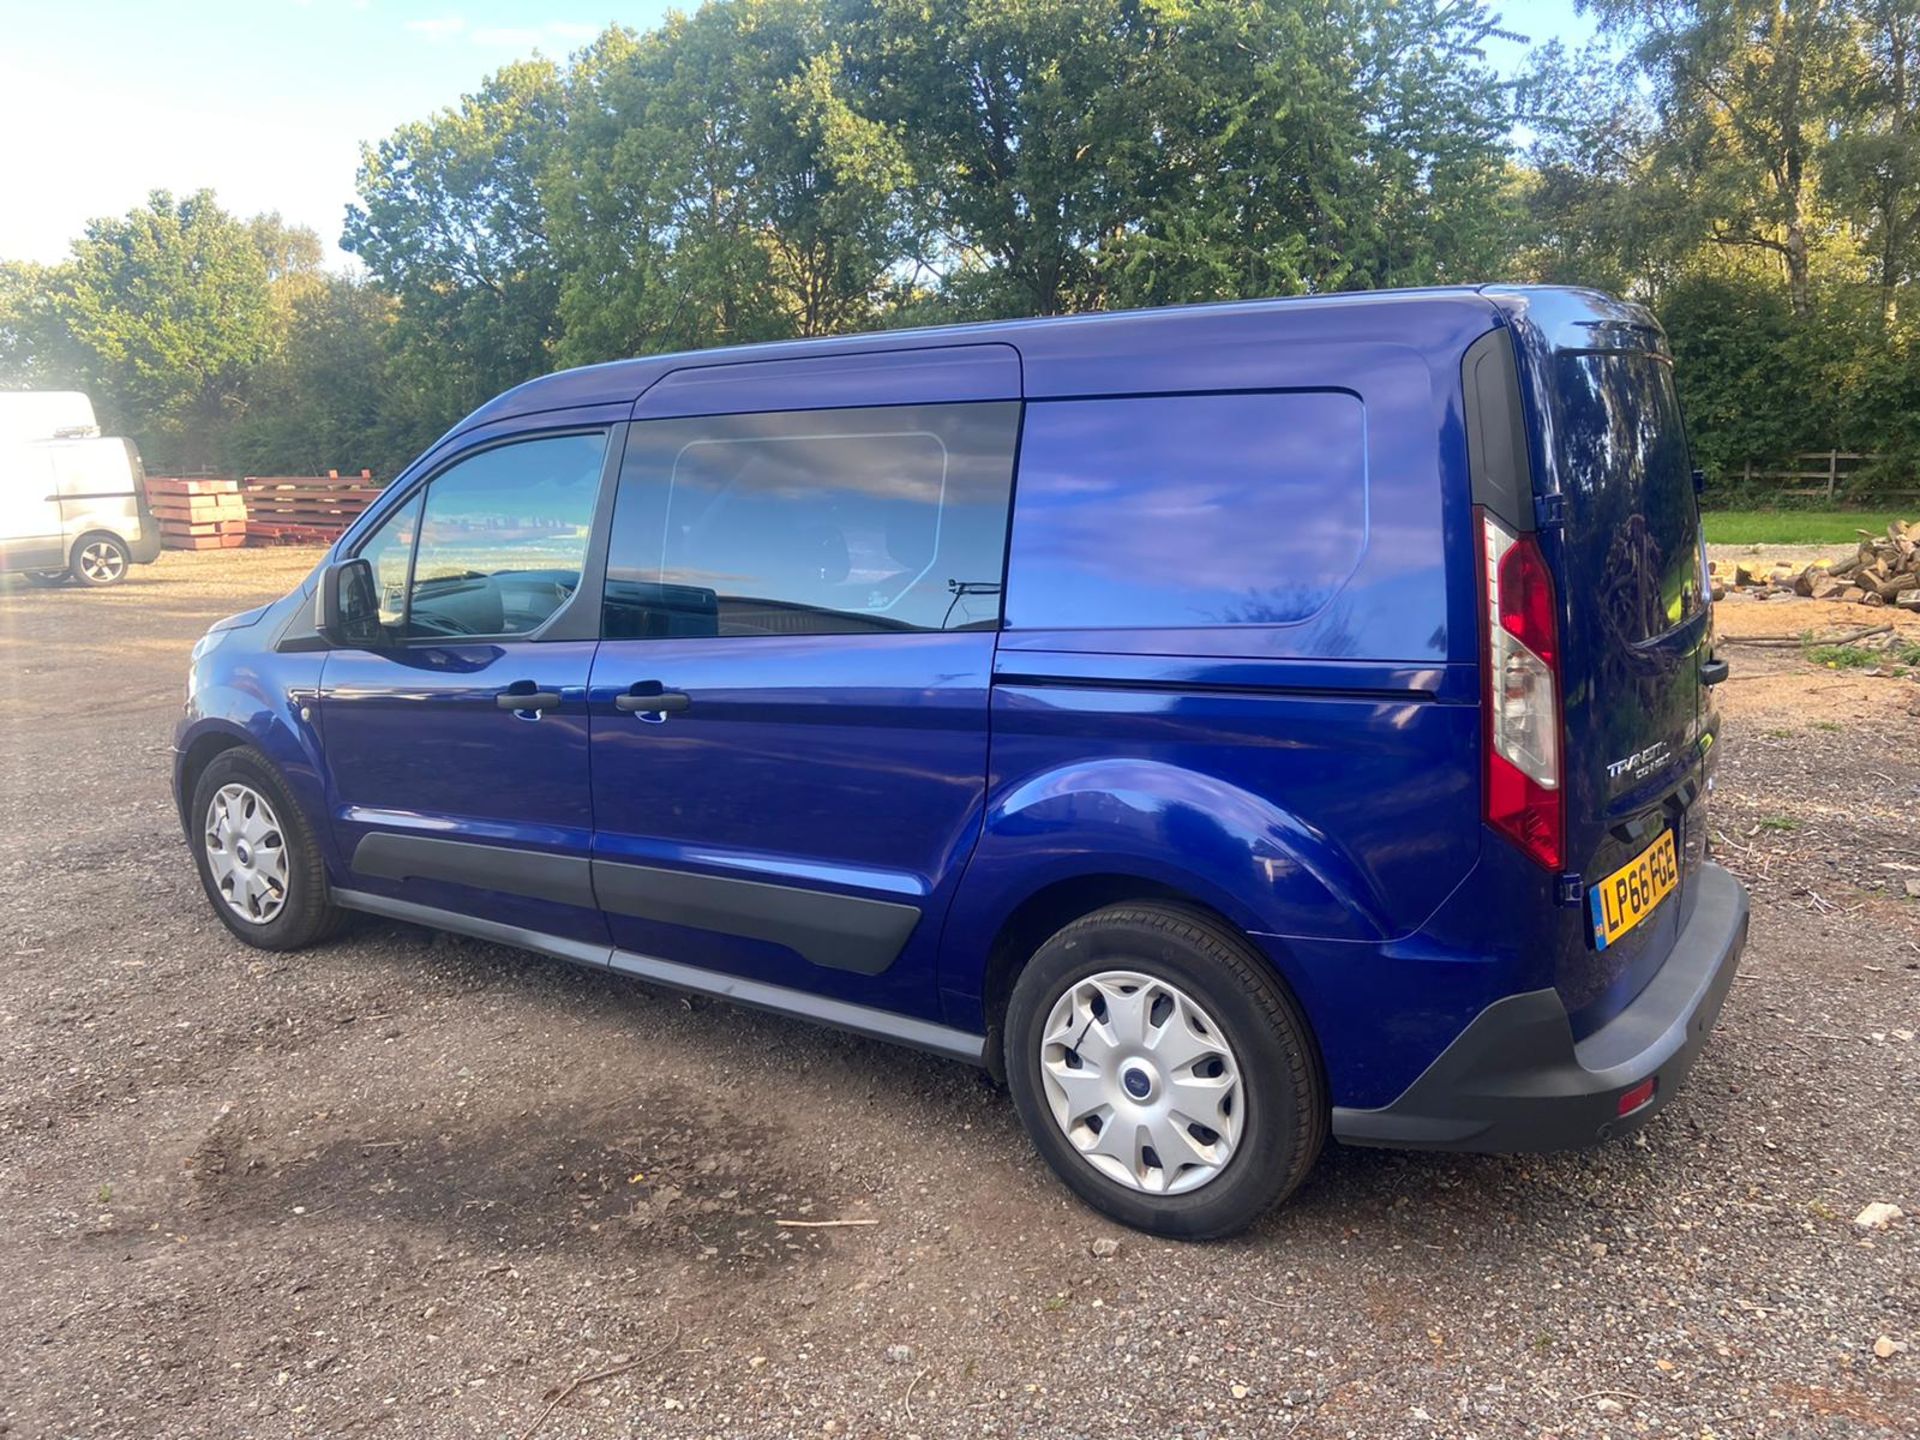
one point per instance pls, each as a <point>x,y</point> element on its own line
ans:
<point>418,1187</point>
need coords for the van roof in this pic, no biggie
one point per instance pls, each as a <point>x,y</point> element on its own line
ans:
<point>1440,318</point>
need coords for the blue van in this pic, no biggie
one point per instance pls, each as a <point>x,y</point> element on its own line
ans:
<point>1228,725</point>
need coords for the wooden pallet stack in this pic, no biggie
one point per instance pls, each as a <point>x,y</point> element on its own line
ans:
<point>198,514</point>
<point>305,509</point>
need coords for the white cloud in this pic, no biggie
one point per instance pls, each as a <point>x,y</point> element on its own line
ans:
<point>444,28</point>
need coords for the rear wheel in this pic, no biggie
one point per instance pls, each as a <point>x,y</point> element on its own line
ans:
<point>100,560</point>
<point>1163,1071</point>
<point>256,854</point>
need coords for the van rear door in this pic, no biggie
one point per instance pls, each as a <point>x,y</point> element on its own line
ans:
<point>30,535</point>
<point>1626,557</point>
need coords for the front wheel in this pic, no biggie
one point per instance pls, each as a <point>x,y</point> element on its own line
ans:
<point>100,560</point>
<point>257,857</point>
<point>1164,1072</point>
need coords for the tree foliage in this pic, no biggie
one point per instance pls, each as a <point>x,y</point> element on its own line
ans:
<point>766,169</point>
<point>452,222</point>
<point>167,311</point>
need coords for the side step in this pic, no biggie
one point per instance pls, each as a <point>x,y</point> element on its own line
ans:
<point>757,994</point>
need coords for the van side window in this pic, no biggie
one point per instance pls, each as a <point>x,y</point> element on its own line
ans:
<point>502,537</point>
<point>390,552</point>
<point>830,522</point>
<point>1187,511</point>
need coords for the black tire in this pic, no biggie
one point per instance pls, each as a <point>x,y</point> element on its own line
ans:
<point>1284,1122</point>
<point>307,913</point>
<point>46,578</point>
<point>99,559</point>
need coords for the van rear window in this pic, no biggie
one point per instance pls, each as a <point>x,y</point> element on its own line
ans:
<point>1186,511</point>
<point>1629,483</point>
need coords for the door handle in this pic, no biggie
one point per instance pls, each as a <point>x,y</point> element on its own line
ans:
<point>513,698</point>
<point>662,702</point>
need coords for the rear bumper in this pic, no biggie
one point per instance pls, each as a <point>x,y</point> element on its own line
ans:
<point>1516,1080</point>
<point>145,547</point>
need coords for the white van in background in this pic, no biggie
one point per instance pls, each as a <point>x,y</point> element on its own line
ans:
<point>73,506</point>
<point>46,415</point>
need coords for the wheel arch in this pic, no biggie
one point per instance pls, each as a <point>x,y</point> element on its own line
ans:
<point>1061,842</point>
<point>98,532</point>
<point>195,756</point>
<point>1055,905</point>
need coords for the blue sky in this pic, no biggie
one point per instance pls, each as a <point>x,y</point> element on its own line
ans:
<point>267,102</point>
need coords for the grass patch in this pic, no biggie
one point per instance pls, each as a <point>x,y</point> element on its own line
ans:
<point>1843,657</point>
<point>1793,527</point>
<point>1779,823</point>
<point>1856,657</point>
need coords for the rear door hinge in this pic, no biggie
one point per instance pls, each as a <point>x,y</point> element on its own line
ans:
<point>1549,512</point>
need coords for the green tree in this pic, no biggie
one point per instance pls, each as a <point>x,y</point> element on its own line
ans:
<point>717,185</point>
<point>451,222</point>
<point>1873,172</point>
<point>325,400</point>
<point>168,309</point>
<point>1313,147</point>
<point>1026,135</point>
<point>30,333</point>
<point>1750,94</point>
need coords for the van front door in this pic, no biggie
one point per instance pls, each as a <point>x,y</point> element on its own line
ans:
<point>789,706</point>
<point>456,753</point>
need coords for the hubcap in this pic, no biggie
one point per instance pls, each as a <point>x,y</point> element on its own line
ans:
<point>101,561</point>
<point>246,853</point>
<point>1141,1082</point>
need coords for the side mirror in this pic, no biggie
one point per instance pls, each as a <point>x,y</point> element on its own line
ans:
<point>346,611</point>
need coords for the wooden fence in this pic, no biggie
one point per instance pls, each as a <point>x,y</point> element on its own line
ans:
<point>1817,475</point>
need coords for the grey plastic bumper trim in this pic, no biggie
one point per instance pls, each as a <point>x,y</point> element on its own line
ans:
<point>1515,1080</point>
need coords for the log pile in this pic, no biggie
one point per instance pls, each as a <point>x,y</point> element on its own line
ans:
<point>200,514</point>
<point>1884,570</point>
<point>306,509</point>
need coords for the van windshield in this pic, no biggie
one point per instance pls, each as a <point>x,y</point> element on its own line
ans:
<point>1629,478</point>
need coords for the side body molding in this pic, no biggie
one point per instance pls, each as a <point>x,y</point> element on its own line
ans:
<point>836,931</point>
<point>841,932</point>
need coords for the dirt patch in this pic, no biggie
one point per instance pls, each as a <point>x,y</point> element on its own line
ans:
<point>408,1187</point>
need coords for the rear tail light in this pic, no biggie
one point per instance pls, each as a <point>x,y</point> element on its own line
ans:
<point>1521,652</point>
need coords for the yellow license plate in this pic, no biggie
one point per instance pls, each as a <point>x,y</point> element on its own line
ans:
<point>1629,894</point>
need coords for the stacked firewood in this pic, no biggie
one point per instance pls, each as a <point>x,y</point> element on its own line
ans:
<point>1883,570</point>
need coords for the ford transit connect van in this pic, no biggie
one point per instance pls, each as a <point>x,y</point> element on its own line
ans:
<point>1231,725</point>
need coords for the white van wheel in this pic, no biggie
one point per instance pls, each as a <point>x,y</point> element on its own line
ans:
<point>100,560</point>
